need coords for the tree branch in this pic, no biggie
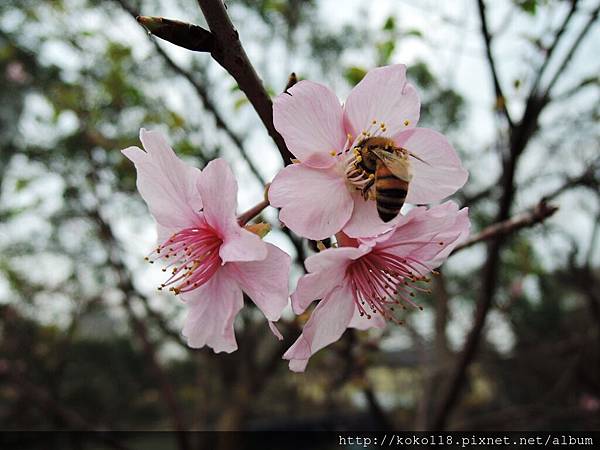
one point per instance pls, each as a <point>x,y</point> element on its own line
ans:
<point>496,233</point>
<point>487,38</point>
<point>203,94</point>
<point>520,136</point>
<point>126,286</point>
<point>571,52</point>
<point>535,215</point>
<point>230,54</point>
<point>557,39</point>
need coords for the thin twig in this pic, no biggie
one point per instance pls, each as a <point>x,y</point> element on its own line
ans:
<point>571,52</point>
<point>535,215</point>
<point>250,214</point>
<point>555,42</point>
<point>207,102</point>
<point>230,54</point>
<point>487,38</point>
<point>520,136</point>
<point>126,286</point>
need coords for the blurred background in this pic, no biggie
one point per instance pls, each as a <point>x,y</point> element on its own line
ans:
<point>510,337</point>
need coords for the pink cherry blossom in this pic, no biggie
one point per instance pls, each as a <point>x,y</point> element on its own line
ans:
<point>320,196</point>
<point>361,283</point>
<point>210,257</point>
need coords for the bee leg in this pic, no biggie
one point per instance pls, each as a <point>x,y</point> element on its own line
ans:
<point>365,190</point>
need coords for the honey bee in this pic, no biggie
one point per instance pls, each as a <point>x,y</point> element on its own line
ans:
<point>386,168</point>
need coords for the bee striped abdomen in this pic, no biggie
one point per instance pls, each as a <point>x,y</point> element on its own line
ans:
<point>390,193</point>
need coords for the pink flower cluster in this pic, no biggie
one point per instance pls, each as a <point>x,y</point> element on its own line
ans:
<point>376,266</point>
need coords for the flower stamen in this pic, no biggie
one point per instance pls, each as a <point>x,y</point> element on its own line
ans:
<point>381,280</point>
<point>195,257</point>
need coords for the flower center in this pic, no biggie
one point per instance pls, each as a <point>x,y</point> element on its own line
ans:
<point>359,163</point>
<point>194,258</point>
<point>381,281</point>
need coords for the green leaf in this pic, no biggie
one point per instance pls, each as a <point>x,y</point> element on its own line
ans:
<point>353,75</point>
<point>414,32</point>
<point>21,184</point>
<point>529,6</point>
<point>242,101</point>
<point>385,50</point>
<point>390,24</point>
<point>175,120</point>
<point>421,73</point>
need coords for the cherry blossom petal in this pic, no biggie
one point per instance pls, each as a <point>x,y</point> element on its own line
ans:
<point>430,237</point>
<point>275,331</point>
<point>363,322</point>
<point>384,95</point>
<point>441,175</point>
<point>315,286</point>
<point>242,245</point>
<point>420,224</point>
<point>310,119</point>
<point>333,259</point>
<point>266,281</point>
<point>326,325</point>
<point>211,311</point>
<point>218,188</point>
<point>167,184</point>
<point>460,230</point>
<point>327,271</point>
<point>315,203</point>
<point>365,220</point>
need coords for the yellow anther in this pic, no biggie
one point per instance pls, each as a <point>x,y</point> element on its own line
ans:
<point>374,121</point>
<point>349,136</point>
<point>333,153</point>
<point>406,123</point>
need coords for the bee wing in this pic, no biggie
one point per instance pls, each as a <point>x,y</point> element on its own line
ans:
<point>397,164</point>
<point>419,159</point>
